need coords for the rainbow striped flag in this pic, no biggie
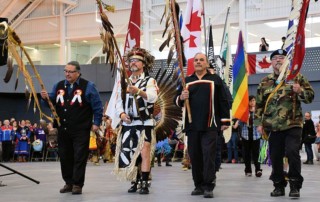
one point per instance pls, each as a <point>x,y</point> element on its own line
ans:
<point>240,106</point>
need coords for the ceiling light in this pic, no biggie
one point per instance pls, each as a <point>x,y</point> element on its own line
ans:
<point>252,34</point>
<point>85,41</point>
<point>56,44</point>
<point>316,34</point>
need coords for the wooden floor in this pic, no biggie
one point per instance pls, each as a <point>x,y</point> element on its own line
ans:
<point>168,184</point>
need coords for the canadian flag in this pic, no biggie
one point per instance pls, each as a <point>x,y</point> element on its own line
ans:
<point>259,63</point>
<point>133,33</point>
<point>191,32</point>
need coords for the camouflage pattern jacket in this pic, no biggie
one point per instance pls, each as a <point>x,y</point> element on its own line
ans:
<point>283,110</point>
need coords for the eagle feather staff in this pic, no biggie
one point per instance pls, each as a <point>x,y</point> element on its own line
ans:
<point>12,42</point>
<point>174,11</point>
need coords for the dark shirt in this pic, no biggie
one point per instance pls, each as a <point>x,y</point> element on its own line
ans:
<point>91,95</point>
<point>207,99</point>
<point>308,130</point>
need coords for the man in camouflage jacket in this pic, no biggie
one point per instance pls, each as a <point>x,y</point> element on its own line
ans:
<point>282,119</point>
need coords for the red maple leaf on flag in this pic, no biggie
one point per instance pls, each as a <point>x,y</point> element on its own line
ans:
<point>194,23</point>
<point>192,43</point>
<point>264,64</point>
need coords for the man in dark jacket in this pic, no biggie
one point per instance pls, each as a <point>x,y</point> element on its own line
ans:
<point>209,114</point>
<point>77,103</point>
<point>308,137</point>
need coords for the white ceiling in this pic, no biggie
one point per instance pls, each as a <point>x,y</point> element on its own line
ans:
<point>255,30</point>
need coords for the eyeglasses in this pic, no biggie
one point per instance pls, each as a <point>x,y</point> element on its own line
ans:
<point>277,57</point>
<point>134,60</point>
<point>69,72</point>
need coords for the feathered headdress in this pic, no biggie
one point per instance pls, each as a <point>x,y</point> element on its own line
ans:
<point>143,55</point>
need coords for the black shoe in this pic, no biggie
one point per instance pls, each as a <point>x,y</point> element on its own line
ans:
<point>197,191</point>
<point>133,188</point>
<point>294,192</point>
<point>308,162</point>
<point>144,188</point>
<point>168,164</point>
<point>277,192</point>
<point>259,173</point>
<point>248,174</point>
<point>66,188</point>
<point>76,189</point>
<point>159,164</point>
<point>208,194</point>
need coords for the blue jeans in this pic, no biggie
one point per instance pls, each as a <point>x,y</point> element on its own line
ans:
<point>309,151</point>
<point>233,145</point>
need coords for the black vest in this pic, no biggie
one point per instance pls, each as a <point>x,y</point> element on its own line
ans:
<point>74,111</point>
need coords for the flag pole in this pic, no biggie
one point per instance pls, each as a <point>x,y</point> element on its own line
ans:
<point>205,29</point>
<point>225,25</point>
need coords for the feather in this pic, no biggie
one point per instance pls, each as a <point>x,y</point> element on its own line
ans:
<point>169,36</point>
<point>28,96</point>
<point>164,14</point>
<point>167,25</point>
<point>9,71</point>
<point>158,73</point>
<point>110,8</point>
<point>163,45</point>
<point>17,79</point>
<point>106,23</point>
<point>16,37</point>
<point>170,113</point>
<point>162,75</point>
<point>170,55</point>
<point>166,9</point>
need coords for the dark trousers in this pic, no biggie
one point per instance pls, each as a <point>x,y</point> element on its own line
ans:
<point>73,152</point>
<point>281,143</point>
<point>219,142</point>
<point>309,151</point>
<point>202,149</point>
<point>7,151</point>
<point>251,152</point>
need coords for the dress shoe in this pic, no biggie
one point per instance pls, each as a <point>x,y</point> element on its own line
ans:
<point>294,192</point>
<point>66,188</point>
<point>278,191</point>
<point>208,194</point>
<point>168,164</point>
<point>259,173</point>
<point>308,162</point>
<point>248,174</point>
<point>159,164</point>
<point>197,191</point>
<point>133,188</point>
<point>76,189</point>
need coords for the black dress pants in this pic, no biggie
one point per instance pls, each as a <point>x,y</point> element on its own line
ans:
<point>202,149</point>
<point>73,152</point>
<point>281,143</point>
